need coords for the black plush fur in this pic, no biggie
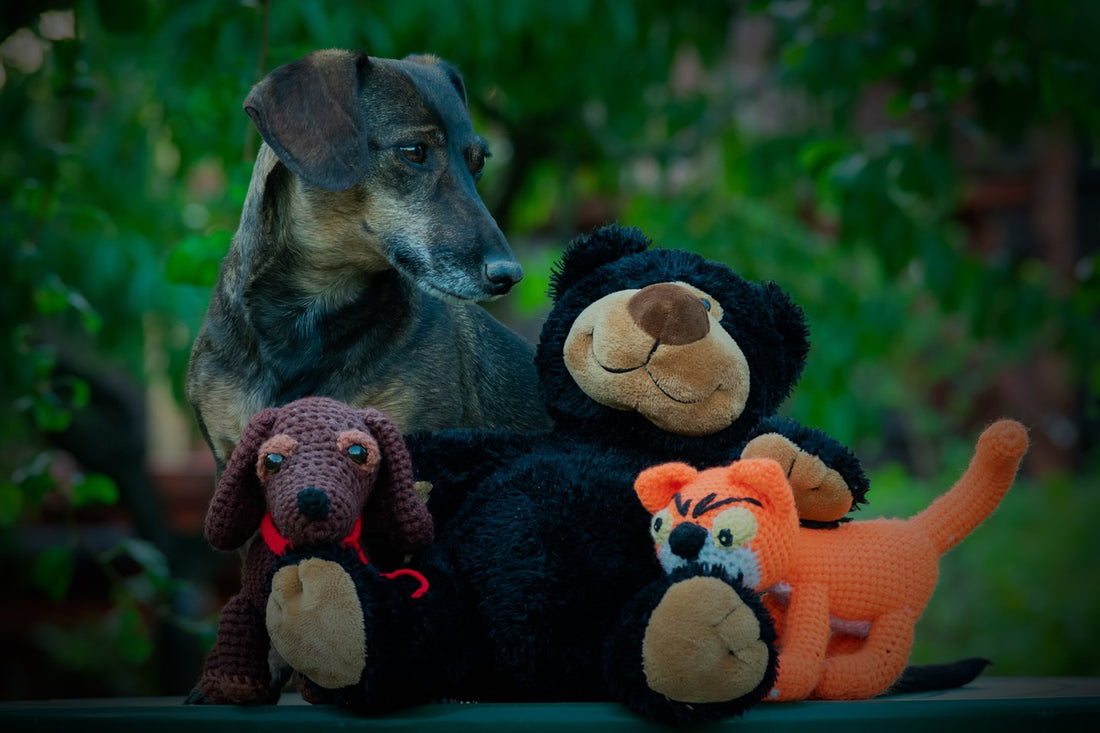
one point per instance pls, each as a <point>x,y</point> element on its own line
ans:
<point>543,574</point>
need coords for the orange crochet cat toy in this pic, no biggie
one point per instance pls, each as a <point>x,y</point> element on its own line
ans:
<point>868,580</point>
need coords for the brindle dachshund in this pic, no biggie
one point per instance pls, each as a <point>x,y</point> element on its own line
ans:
<point>362,244</point>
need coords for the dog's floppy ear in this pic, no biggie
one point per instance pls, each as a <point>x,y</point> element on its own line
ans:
<point>309,112</point>
<point>238,504</point>
<point>393,505</point>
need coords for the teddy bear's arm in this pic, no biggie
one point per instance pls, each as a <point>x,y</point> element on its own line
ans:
<point>449,464</point>
<point>827,479</point>
<point>803,642</point>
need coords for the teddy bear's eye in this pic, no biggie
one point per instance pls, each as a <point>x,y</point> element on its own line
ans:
<point>273,462</point>
<point>358,454</point>
<point>661,526</point>
<point>706,304</point>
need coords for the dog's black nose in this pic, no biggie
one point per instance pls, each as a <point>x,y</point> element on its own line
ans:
<point>313,504</point>
<point>687,539</point>
<point>502,275</point>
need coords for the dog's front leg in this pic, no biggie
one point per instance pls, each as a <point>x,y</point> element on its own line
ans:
<point>236,670</point>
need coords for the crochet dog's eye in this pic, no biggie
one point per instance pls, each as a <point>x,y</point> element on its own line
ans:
<point>661,526</point>
<point>358,454</point>
<point>734,527</point>
<point>273,462</point>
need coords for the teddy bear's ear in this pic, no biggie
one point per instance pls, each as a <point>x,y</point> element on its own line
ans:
<point>393,505</point>
<point>657,485</point>
<point>238,505</point>
<point>591,251</point>
<point>779,345</point>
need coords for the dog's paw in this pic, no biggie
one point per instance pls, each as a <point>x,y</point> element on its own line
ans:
<point>704,644</point>
<point>316,624</point>
<point>820,493</point>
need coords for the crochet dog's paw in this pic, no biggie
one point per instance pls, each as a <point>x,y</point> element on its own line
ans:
<point>316,624</point>
<point>218,688</point>
<point>704,644</point>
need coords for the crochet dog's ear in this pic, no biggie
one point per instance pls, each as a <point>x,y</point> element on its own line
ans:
<point>238,505</point>
<point>393,506</point>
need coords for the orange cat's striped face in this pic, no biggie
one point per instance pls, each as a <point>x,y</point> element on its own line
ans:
<point>736,517</point>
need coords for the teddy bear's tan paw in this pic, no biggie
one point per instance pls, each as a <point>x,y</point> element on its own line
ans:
<point>316,624</point>
<point>702,644</point>
<point>820,492</point>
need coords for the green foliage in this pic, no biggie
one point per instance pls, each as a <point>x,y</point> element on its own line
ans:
<point>831,156</point>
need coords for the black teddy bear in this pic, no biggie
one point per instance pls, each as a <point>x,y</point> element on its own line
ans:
<point>542,581</point>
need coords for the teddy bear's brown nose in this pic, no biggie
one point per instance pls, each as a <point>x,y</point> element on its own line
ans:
<point>670,313</point>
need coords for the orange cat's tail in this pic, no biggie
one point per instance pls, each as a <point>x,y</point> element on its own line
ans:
<point>980,489</point>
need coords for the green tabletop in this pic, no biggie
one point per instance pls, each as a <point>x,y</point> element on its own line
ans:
<point>999,704</point>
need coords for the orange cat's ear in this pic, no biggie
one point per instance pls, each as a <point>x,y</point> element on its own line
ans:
<point>767,481</point>
<point>656,486</point>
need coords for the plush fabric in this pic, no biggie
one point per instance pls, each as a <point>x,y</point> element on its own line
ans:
<point>542,580</point>
<point>864,582</point>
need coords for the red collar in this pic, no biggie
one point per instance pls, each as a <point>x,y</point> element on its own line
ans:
<point>279,544</point>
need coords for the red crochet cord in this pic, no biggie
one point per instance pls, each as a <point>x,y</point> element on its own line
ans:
<point>279,545</point>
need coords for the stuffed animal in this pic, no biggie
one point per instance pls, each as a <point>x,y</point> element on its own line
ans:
<point>308,475</point>
<point>869,580</point>
<point>542,579</point>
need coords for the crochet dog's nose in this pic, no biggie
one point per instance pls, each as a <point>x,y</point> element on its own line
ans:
<point>313,504</point>
<point>687,539</point>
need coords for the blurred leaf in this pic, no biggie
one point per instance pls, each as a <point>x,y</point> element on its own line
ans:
<point>52,297</point>
<point>11,504</point>
<point>148,556</point>
<point>92,489</point>
<point>196,259</point>
<point>134,643</point>
<point>50,415</point>
<point>53,571</point>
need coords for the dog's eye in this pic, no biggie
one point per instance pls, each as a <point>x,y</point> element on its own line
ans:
<point>273,462</point>
<point>358,454</point>
<point>416,153</point>
<point>475,161</point>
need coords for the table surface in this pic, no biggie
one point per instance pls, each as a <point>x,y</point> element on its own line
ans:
<point>990,703</point>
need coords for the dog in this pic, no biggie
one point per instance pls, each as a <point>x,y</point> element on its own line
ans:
<point>309,476</point>
<point>361,249</point>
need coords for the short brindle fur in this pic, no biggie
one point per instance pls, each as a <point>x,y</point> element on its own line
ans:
<point>361,245</point>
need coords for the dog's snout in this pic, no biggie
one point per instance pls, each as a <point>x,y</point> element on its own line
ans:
<point>313,504</point>
<point>670,313</point>
<point>687,540</point>
<point>501,275</point>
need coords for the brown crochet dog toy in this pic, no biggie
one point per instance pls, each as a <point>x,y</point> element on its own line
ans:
<point>307,475</point>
